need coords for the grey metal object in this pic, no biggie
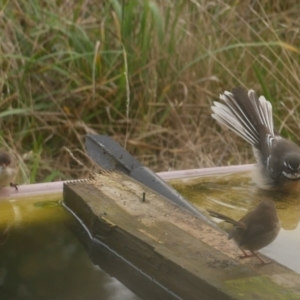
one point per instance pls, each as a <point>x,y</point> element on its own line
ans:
<point>111,156</point>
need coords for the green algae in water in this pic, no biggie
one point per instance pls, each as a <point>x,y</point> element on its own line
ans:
<point>40,258</point>
<point>234,195</point>
<point>46,203</point>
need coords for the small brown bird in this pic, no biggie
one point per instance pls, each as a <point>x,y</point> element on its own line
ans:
<point>8,169</point>
<point>257,229</point>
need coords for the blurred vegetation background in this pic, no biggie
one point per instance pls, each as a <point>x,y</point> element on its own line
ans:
<point>64,74</point>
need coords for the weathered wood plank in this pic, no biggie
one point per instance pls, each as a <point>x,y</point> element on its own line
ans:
<point>161,251</point>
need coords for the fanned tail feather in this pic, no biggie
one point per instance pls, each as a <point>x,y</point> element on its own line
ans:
<point>245,114</point>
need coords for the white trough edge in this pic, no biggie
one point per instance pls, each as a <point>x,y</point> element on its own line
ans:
<point>38,189</point>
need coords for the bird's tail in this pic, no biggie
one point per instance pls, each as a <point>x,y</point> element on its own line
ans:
<point>245,114</point>
<point>223,217</point>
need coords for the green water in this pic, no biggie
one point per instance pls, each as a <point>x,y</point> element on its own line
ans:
<point>234,195</point>
<point>40,258</point>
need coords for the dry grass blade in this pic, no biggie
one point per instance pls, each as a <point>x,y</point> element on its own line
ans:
<point>62,76</point>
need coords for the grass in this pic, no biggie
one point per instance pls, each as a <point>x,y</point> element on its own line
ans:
<point>142,72</point>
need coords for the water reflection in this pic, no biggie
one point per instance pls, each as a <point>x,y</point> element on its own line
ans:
<point>234,195</point>
<point>41,259</point>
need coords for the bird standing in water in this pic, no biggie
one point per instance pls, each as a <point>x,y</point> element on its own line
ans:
<point>8,169</point>
<point>278,159</point>
<point>255,230</point>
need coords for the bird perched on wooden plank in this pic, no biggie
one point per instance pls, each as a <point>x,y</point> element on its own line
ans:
<point>257,229</point>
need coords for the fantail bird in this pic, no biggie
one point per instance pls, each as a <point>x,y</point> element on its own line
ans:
<point>8,169</point>
<point>257,229</point>
<point>278,159</point>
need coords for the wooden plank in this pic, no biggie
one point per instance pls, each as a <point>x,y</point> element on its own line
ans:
<point>161,251</point>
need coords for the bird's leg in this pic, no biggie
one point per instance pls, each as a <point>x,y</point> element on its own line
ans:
<point>14,186</point>
<point>246,255</point>
<point>263,262</point>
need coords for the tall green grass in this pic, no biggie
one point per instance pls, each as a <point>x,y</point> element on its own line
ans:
<point>143,72</point>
